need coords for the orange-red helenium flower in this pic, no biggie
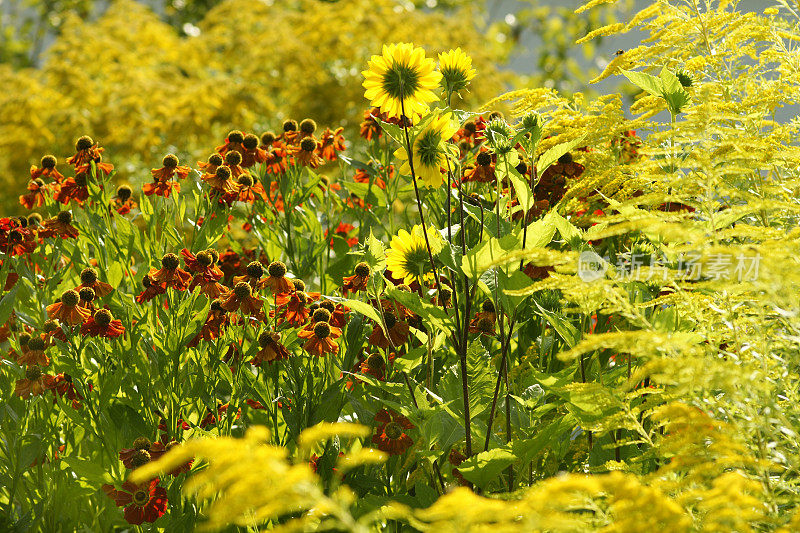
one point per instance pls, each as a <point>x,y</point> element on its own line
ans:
<point>68,310</point>
<point>320,339</point>
<point>391,434</point>
<point>143,503</point>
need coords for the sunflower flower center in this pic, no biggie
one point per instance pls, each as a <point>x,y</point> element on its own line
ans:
<point>400,81</point>
<point>427,148</point>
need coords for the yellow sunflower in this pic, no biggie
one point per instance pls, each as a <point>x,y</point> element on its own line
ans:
<point>456,69</point>
<point>407,256</point>
<point>429,150</point>
<point>401,74</point>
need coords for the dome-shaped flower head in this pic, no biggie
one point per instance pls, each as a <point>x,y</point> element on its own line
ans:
<point>456,69</point>
<point>401,79</point>
<point>428,149</point>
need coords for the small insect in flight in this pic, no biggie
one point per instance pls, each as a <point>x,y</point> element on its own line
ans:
<point>619,52</point>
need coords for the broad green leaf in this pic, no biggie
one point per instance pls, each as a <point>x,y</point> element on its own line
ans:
<point>7,303</point>
<point>522,189</point>
<point>646,82</point>
<point>482,256</point>
<point>562,325</point>
<point>484,468</point>
<point>565,228</point>
<point>433,314</point>
<point>91,472</point>
<point>375,253</point>
<point>360,307</point>
<point>552,155</point>
<point>541,232</point>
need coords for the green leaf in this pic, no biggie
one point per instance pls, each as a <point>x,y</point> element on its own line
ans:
<point>7,304</point>
<point>565,227</point>
<point>433,314</point>
<point>522,189</point>
<point>91,472</point>
<point>360,307</point>
<point>484,468</point>
<point>646,82</point>
<point>482,256</point>
<point>565,329</point>
<point>370,193</point>
<point>552,155</point>
<point>541,232</point>
<point>375,255</point>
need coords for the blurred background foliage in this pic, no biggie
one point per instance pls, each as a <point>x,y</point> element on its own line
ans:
<point>143,78</point>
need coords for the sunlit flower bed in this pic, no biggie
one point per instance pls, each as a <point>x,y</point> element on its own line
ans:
<point>557,319</point>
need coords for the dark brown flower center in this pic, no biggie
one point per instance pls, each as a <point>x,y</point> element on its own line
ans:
<point>299,285</point>
<point>235,136</point>
<point>170,261</point>
<point>375,362</point>
<point>487,306</point>
<point>233,158</point>
<point>250,141</point>
<point>84,143</point>
<point>390,319</point>
<point>88,276</point>
<point>267,138</point>
<point>308,145</point>
<point>308,126</point>
<point>215,159</point>
<point>242,290</point>
<point>245,180</point>
<point>393,430</point>
<point>223,172</point>
<point>33,372</point>
<point>322,330</point>
<point>36,344</point>
<point>329,305</point>
<point>34,219</point>
<point>485,325</point>
<point>102,317</point>
<point>139,458</point>
<point>265,339</point>
<point>65,217</point>
<point>204,258</point>
<point>276,269</point>
<point>483,159</point>
<point>290,125</point>
<point>142,443</point>
<point>124,192</point>
<point>24,339</point>
<point>321,315</point>
<point>86,294</point>
<point>362,270</point>
<point>170,161</point>
<point>48,162</point>
<point>70,298</point>
<point>141,497</point>
<point>255,269</point>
